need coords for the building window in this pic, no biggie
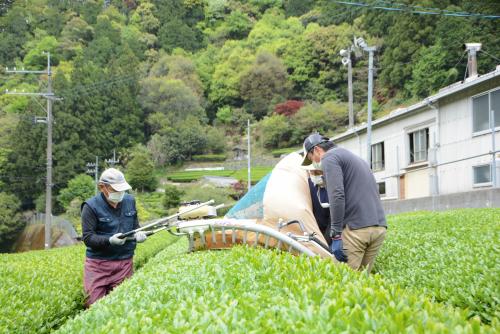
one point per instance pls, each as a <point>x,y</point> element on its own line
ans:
<point>381,188</point>
<point>481,113</point>
<point>482,174</point>
<point>419,145</point>
<point>378,156</point>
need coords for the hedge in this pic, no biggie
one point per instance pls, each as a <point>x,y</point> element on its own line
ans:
<point>451,256</point>
<point>209,157</point>
<point>40,290</point>
<point>246,290</point>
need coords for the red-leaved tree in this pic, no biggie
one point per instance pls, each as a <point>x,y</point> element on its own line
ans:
<point>288,108</point>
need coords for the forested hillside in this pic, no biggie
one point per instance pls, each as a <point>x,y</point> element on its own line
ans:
<point>162,81</point>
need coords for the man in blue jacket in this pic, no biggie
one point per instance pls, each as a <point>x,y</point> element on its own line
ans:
<point>105,217</point>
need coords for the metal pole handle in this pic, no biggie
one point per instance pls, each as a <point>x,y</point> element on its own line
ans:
<point>166,219</point>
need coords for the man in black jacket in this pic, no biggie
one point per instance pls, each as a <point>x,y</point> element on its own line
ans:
<point>105,217</point>
<point>358,224</point>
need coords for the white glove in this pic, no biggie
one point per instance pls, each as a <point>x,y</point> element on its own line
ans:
<point>140,236</point>
<point>114,240</point>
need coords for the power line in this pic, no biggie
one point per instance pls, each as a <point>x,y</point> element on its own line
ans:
<point>490,55</point>
<point>89,89</point>
<point>417,9</point>
<point>460,60</point>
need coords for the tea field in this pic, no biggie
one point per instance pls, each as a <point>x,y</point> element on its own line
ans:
<point>40,290</point>
<point>241,174</point>
<point>437,273</point>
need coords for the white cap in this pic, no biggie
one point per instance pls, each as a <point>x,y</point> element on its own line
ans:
<point>115,179</point>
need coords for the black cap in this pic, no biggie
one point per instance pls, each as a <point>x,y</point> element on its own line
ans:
<point>309,143</point>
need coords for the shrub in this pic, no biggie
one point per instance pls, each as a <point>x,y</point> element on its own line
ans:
<point>276,131</point>
<point>81,187</point>
<point>209,157</point>
<point>246,290</point>
<point>288,108</point>
<point>172,197</point>
<point>11,222</point>
<point>43,289</point>
<point>450,256</point>
<point>140,172</point>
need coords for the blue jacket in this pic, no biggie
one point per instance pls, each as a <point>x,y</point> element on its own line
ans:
<point>321,214</point>
<point>100,221</point>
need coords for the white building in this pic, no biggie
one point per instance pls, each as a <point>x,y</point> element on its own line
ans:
<point>441,145</point>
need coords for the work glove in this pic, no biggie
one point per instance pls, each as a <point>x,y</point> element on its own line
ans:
<point>116,241</point>
<point>337,249</point>
<point>140,236</point>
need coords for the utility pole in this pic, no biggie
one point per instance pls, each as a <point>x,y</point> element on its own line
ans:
<point>360,42</point>
<point>93,168</point>
<point>346,60</point>
<point>248,150</point>
<point>113,161</point>
<point>493,147</point>
<point>370,95</point>
<point>49,95</point>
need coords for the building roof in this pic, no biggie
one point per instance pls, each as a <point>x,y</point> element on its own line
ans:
<point>399,112</point>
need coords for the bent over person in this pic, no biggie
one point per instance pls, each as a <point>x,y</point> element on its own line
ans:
<point>358,224</point>
<point>105,217</point>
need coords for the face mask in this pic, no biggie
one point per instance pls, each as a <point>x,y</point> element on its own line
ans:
<point>317,180</point>
<point>323,205</point>
<point>116,197</point>
<point>317,165</point>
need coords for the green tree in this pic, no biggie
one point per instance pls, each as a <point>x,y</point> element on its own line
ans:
<point>236,25</point>
<point>172,197</point>
<point>264,85</point>
<point>179,21</point>
<point>171,97</point>
<point>144,17</point>
<point>36,58</point>
<point>311,118</point>
<point>140,172</point>
<point>156,149</point>
<point>275,131</point>
<point>224,114</point>
<point>429,73</point>
<point>24,171</point>
<point>297,7</point>
<point>15,32</point>
<point>232,61</point>
<point>11,222</point>
<point>178,67</point>
<point>216,139</point>
<point>76,34</point>
<point>81,188</point>
<point>177,34</point>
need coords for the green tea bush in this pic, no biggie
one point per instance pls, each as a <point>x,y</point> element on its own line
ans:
<point>257,174</point>
<point>209,157</point>
<point>452,256</point>
<point>151,205</point>
<point>40,290</point>
<point>246,290</point>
